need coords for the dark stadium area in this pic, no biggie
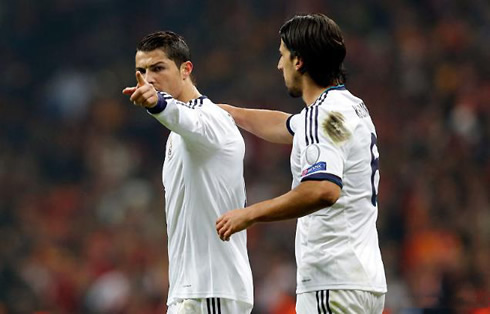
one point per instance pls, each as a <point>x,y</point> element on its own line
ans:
<point>82,217</point>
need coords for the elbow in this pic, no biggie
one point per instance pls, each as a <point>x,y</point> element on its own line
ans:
<point>328,194</point>
<point>319,194</point>
<point>327,199</point>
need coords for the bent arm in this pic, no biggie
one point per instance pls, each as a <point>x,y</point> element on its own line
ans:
<point>305,199</point>
<point>269,125</point>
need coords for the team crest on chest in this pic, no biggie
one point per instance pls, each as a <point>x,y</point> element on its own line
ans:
<point>169,149</point>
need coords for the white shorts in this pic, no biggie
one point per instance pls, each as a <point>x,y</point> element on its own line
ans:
<point>209,306</point>
<point>340,301</point>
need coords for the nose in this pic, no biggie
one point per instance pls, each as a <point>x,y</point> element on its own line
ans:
<point>279,65</point>
<point>149,77</point>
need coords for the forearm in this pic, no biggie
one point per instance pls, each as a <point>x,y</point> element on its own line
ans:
<point>305,199</point>
<point>269,125</point>
<point>298,202</point>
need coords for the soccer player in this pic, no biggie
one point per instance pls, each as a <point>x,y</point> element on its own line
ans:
<point>334,164</point>
<point>202,176</point>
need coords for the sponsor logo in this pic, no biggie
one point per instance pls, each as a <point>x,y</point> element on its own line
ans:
<point>319,166</point>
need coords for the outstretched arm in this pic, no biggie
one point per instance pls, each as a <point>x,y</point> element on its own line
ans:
<point>143,94</point>
<point>198,126</point>
<point>305,199</point>
<point>269,125</point>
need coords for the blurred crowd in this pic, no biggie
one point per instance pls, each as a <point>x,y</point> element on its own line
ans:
<point>82,222</point>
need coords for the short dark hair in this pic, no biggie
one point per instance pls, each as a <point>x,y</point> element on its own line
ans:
<point>171,43</point>
<point>318,41</point>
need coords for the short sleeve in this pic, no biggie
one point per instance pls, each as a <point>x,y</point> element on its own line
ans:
<point>324,158</point>
<point>291,123</point>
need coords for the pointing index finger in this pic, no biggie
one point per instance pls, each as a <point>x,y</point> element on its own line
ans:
<point>140,78</point>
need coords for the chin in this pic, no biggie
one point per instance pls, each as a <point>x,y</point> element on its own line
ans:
<point>295,93</point>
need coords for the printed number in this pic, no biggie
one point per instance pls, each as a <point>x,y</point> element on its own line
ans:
<point>375,169</point>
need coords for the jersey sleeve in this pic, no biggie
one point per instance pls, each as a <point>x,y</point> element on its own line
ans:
<point>291,123</point>
<point>189,121</point>
<point>324,158</point>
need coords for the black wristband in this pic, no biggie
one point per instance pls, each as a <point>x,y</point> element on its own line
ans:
<point>160,106</point>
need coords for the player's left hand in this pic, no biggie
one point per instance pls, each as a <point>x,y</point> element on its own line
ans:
<point>232,222</point>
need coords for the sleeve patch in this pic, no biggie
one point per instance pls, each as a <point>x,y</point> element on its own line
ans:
<point>319,166</point>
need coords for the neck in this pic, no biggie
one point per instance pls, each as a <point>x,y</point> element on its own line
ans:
<point>189,93</point>
<point>311,91</point>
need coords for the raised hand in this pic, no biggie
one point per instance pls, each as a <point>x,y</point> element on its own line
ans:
<point>143,94</point>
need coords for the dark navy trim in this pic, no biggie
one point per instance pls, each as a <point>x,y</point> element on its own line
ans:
<point>322,97</point>
<point>312,140</point>
<point>197,102</point>
<point>311,129</point>
<point>288,124</point>
<point>328,302</point>
<point>161,104</point>
<point>324,177</point>
<point>209,306</point>
<point>336,87</point>
<point>318,303</point>
<point>306,127</point>
<point>316,125</point>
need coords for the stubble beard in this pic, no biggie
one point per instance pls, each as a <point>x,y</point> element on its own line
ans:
<point>295,93</point>
<point>294,89</point>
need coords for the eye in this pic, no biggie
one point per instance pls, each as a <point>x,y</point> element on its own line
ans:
<point>157,68</point>
<point>141,70</point>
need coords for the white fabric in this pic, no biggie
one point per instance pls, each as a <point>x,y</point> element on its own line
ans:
<point>337,247</point>
<point>203,178</point>
<point>340,301</point>
<point>209,306</point>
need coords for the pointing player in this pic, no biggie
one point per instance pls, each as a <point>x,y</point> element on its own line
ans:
<point>202,176</point>
<point>334,163</point>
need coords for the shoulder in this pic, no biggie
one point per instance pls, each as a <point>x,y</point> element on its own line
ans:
<point>343,102</point>
<point>213,112</point>
<point>339,114</point>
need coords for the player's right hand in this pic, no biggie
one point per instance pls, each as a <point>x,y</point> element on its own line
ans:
<point>143,94</point>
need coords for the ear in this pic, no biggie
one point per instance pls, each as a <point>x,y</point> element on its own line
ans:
<point>186,69</point>
<point>298,64</point>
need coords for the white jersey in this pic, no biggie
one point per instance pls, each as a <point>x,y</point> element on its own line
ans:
<point>203,178</point>
<point>337,247</point>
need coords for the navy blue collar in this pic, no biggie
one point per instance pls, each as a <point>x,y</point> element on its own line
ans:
<point>336,87</point>
<point>322,96</point>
